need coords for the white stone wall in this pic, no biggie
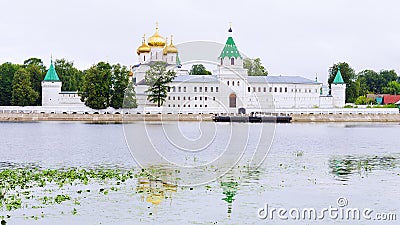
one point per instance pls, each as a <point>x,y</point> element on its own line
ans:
<point>338,92</point>
<point>50,93</point>
<point>72,99</point>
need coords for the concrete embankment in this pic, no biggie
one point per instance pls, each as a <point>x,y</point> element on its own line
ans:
<point>346,118</point>
<point>103,117</point>
<point>189,117</point>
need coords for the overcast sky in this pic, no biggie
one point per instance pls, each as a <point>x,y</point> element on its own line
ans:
<point>291,37</point>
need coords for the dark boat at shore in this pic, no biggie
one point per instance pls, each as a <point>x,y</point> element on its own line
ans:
<point>253,119</point>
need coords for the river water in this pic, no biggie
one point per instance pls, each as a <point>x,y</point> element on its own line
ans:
<point>309,165</point>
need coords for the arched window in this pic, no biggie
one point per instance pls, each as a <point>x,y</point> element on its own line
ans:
<point>238,84</point>
<point>144,58</point>
<point>222,61</point>
<point>232,100</point>
<point>232,61</point>
<point>233,83</point>
<point>227,83</point>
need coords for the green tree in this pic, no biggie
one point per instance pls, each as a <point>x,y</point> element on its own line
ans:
<point>349,76</point>
<point>37,62</point>
<point>96,90</point>
<point>199,69</point>
<point>71,77</point>
<point>23,94</point>
<point>120,79</point>
<point>130,97</point>
<point>388,76</point>
<point>372,80</point>
<point>157,78</point>
<point>363,100</point>
<point>36,75</point>
<point>393,88</point>
<point>254,67</point>
<point>7,71</point>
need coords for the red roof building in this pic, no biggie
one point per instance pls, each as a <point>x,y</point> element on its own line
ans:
<point>391,99</point>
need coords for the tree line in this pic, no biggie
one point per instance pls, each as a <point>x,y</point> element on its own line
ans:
<point>358,85</point>
<point>102,85</point>
<point>254,68</point>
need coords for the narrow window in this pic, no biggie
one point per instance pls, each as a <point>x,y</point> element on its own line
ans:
<point>179,89</point>
<point>222,61</point>
<point>248,89</point>
<point>270,89</point>
<point>212,89</point>
<point>184,89</point>
<point>285,89</point>
<point>227,83</point>
<point>205,89</point>
<point>276,89</point>
<point>280,89</point>
<point>195,89</point>
<point>265,89</point>
<point>216,89</point>
<point>238,84</point>
<point>233,83</point>
<point>259,89</point>
<point>232,61</point>
<point>200,89</point>
<point>144,58</point>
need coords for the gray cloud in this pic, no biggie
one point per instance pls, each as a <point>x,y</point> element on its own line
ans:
<point>291,37</point>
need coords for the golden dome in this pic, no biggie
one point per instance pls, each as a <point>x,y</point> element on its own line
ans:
<point>170,48</point>
<point>156,40</point>
<point>144,48</point>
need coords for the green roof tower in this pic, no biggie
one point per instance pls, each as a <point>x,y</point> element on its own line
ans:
<point>338,78</point>
<point>51,74</point>
<point>230,50</point>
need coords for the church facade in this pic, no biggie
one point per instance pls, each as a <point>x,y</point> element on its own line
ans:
<point>229,88</point>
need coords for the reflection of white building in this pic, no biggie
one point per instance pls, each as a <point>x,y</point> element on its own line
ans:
<point>230,88</point>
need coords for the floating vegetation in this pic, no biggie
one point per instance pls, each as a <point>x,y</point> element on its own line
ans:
<point>343,167</point>
<point>36,188</point>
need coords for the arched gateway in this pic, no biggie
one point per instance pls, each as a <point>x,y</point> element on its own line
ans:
<point>232,100</point>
